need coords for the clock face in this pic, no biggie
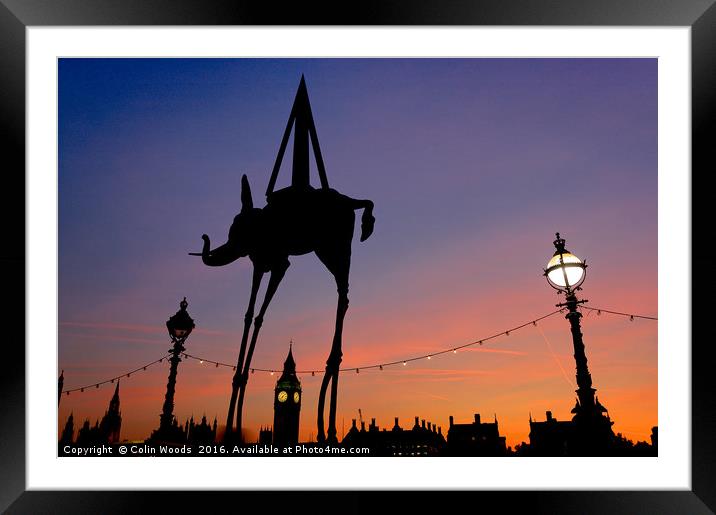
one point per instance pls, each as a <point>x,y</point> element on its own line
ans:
<point>282,396</point>
<point>296,397</point>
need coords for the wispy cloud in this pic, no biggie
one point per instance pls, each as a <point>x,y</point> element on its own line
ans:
<point>133,328</point>
<point>494,351</point>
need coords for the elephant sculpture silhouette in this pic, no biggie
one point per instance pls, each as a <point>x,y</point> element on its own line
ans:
<point>296,220</point>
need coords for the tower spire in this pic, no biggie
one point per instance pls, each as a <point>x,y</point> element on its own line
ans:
<point>289,366</point>
<point>115,397</point>
<point>287,403</point>
<point>60,383</point>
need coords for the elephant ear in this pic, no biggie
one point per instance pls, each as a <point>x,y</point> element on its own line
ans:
<point>247,202</point>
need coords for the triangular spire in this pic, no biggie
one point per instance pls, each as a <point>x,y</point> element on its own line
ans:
<point>301,120</point>
<point>60,384</point>
<point>289,366</point>
<point>116,392</point>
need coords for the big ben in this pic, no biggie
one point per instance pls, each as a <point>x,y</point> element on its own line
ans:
<point>287,405</point>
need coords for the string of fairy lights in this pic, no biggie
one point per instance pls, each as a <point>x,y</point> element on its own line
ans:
<point>631,317</point>
<point>111,380</point>
<point>379,366</point>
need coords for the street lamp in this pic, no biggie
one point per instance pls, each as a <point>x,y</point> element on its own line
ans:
<point>565,272</point>
<point>179,326</point>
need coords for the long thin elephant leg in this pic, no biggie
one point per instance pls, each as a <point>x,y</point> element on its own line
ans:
<point>236,383</point>
<point>332,366</point>
<point>321,435</point>
<point>276,276</point>
<point>336,357</point>
<point>337,260</point>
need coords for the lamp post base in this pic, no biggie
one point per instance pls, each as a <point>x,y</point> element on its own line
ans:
<point>592,431</point>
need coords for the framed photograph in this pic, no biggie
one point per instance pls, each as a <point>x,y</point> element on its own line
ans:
<point>477,219</point>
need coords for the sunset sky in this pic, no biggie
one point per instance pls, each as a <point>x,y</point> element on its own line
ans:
<point>473,165</point>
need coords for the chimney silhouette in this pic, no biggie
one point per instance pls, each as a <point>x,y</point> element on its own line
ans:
<point>450,420</point>
<point>477,418</point>
<point>549,416</point>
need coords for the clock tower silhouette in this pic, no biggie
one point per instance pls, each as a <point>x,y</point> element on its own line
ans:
<point>287,404</point>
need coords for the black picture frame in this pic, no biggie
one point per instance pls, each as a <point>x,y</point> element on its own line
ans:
<point>17,15</point>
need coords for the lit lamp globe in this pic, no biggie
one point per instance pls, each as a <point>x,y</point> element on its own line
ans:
<point>565,271</point>
<point>180,324</point>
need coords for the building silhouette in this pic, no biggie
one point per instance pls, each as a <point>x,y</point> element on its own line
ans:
<point>112,421</point>
<point>68,432</point>
<point>105,431</point>
<point>265,436</point>
<point>475,439</point>
<point>89,435</point>
<point>551,437</point>
<point>589,433</point>
<point>421,440</point>
<point>287,405</point>
<point>201,433</point>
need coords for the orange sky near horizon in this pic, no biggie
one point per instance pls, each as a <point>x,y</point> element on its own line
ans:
<point>528,372</point>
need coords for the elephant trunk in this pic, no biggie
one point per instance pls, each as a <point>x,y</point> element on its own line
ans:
<point>220,256</point>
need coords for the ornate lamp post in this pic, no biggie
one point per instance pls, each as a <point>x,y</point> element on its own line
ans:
<point>566,272</point>
<point>179,326</point>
